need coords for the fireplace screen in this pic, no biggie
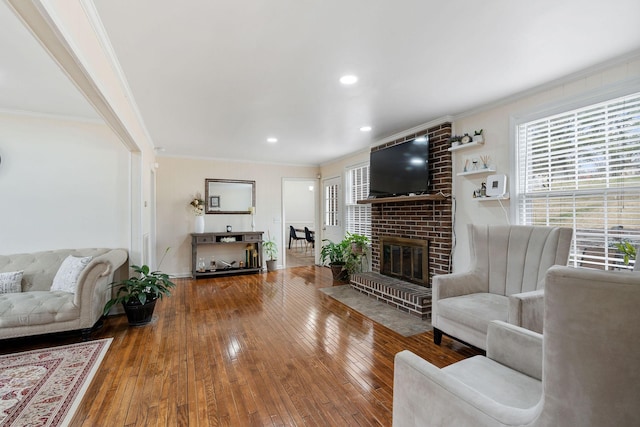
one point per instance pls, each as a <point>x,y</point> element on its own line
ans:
<point>406,259</point>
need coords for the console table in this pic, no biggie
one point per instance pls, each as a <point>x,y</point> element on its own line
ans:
<point>248,245</point>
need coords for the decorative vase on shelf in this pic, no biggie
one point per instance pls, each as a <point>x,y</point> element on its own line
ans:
<point>199,224</point>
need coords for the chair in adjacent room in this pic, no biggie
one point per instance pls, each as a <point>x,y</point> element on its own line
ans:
<point>293,236</point>
<point>309,237</point>
<point>583,371</point>
<point>505,281</point>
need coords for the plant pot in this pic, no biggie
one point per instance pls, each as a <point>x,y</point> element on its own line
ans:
<point>338,271</point>
<point>357,249</point>
<point>140,314</point>
<point>272,264</point>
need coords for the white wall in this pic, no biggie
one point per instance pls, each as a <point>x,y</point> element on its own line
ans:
<point>63,25</point>
<point>179,179</point>
<point>299,204</point>
<point>63,184</point>
<point>496,124</point>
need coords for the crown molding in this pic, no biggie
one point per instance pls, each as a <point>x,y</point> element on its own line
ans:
<point>59,117</point>
<point>413,130</point>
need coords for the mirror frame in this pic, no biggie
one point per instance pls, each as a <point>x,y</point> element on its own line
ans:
<point>209,209</point>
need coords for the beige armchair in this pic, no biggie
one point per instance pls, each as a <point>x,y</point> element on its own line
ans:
<point>505,281</point>
<point>583,371</point>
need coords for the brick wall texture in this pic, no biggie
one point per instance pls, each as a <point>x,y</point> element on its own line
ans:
<point>423,219</point>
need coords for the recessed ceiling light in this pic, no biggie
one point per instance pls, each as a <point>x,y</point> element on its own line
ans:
<point>365,128</point>
<point>272,140</point>
<point>348,80</point>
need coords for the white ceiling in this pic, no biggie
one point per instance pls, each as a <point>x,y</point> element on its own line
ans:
<point>216,78</point>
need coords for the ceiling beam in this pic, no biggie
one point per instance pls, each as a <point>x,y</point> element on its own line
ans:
<point>36,18</point>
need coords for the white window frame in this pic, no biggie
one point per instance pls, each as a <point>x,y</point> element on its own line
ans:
<point>607,236</point>
<point>357,217</point>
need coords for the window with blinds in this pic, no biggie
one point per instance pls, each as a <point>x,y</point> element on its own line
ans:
<point>358,217</point>
<point>331,206</point>
<point>581,169</point>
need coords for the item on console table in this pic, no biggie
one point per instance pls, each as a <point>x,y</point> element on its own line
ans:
<point>199,224</point>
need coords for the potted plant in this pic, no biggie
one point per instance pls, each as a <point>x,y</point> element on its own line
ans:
<point>139,294</point>
<point>358,246</point>
<point>357,242</point>
<point>270,249</point>
<point>336,253</point>
<point>628,251</point>
<point>478,137</point>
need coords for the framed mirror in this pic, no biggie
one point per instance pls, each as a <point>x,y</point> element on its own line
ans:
<point>229,196</point>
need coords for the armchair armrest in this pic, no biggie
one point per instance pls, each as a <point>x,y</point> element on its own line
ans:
<point>93,291</point>
<point>424,395</point>
<point>518,348</point>
<point>526,309</point>
<point>457,284</point>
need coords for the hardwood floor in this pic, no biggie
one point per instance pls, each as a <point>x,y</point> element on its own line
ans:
<point>258,350</point>
<point>299,257</point>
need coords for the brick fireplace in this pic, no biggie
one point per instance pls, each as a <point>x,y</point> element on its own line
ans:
<point>426,220</point>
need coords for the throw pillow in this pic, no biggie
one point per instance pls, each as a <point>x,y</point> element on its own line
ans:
<point>11,282</point>
<point>66,279</point>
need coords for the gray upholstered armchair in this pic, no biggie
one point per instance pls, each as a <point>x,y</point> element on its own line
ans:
<point>505,281</point>
<point>583,371</point>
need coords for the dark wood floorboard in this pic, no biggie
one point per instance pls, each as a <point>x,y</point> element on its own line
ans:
<point>258,350</point>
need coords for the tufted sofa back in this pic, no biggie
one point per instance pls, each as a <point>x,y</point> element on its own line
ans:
<point>515,258</point>
<point>41,267</point>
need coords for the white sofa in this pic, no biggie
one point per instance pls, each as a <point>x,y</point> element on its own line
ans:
<point>583,371</point>
<point>36,309</point>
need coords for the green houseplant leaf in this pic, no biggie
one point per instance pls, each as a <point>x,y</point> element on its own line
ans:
<point>146,286</point>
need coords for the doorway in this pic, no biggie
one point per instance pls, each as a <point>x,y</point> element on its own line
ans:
<point>300,207</point>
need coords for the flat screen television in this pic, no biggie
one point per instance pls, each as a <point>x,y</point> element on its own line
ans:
<point>399,170</point>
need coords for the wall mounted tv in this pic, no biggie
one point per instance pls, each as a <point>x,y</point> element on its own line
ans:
<point>399,170</point>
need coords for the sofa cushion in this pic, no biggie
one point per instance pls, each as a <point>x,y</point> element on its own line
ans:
<point>11,282</point>
<point>66,279</point>
<point>36,308</point>
<point>475,310</point>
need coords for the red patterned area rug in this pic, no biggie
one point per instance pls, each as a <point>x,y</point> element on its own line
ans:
<point>44,387</point>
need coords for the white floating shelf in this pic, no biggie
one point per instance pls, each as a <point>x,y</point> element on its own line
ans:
<point>505,196</point>
<point>477,172</point>
<point>467,145</point>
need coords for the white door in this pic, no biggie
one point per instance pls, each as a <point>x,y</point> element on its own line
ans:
<point>332,203</point>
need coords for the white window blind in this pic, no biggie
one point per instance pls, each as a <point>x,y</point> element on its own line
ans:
<point>358,217</point>
<point>581,169</point>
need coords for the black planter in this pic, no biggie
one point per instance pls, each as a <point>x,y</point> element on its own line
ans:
<point>338,271</point>
<point>139,314</point>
